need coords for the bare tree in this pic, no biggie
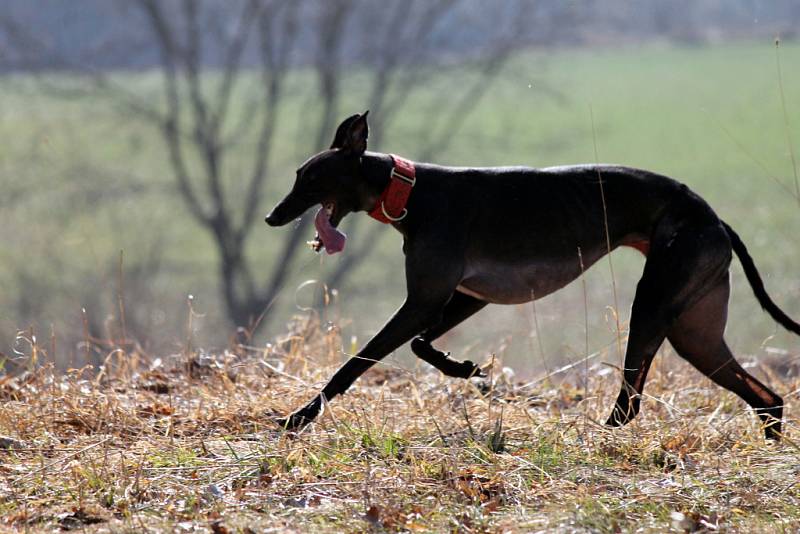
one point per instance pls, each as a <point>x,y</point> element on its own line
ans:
<point>200,125</point>
<point>393,39</point>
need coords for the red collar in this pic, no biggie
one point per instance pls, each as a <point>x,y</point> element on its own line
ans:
<point>391,206</point>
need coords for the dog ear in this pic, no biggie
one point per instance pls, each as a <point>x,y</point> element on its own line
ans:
<point>352,133</point>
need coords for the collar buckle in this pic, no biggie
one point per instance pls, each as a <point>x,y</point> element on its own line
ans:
<point>411,180</point>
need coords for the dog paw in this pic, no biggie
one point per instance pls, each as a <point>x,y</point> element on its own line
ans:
<point>614,422</point>
<point>291,423</point>
<point>620,417</point>
<point>296,421</point>
<point>470,369</point>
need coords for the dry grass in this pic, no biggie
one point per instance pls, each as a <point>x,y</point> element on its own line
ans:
<point>186,444</point>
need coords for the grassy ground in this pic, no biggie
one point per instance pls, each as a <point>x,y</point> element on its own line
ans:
<point>185,444</point>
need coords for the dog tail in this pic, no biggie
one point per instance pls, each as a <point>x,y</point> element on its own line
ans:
<point>758,285</point>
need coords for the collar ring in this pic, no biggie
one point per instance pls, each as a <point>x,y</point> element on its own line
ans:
<point>393,219</point>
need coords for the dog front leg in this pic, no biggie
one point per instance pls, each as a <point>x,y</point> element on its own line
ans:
<point>408,321</point>
<point>460,307</point>
<point>432,276</point>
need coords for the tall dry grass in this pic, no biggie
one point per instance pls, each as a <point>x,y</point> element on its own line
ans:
<point>186,443</point>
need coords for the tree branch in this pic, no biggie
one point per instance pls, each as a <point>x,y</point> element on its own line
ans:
<point>170,125</point>
<point>205,136</point>
<point>275,63</point>
<point>232,62</point>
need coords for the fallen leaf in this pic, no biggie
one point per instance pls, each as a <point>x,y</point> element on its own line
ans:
<point>10,443</point>
<point>373,515</point>
<point>78,518</point>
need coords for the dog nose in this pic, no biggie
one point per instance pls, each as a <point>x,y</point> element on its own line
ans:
<point>271,219</point>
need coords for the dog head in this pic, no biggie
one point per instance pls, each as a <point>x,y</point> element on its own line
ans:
<point>331,178</point>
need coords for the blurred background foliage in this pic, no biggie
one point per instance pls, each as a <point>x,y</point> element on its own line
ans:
<point>144,141</point>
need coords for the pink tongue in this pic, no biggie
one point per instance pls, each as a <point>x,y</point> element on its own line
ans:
<point>332,238</point>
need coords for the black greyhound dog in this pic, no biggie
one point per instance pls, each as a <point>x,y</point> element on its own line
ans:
<point>507,235</point>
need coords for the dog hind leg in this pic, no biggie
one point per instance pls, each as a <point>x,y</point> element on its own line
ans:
<point>697,337</point>
<point>682,264</point>
<point>459,308</point>
<point>647,332</point>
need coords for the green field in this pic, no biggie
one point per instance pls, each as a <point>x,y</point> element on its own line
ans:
<point>83,181</point>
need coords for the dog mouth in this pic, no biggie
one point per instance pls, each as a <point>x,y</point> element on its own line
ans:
<point>328,236</point>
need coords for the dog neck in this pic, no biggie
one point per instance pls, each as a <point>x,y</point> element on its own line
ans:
<point>376,171</point>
